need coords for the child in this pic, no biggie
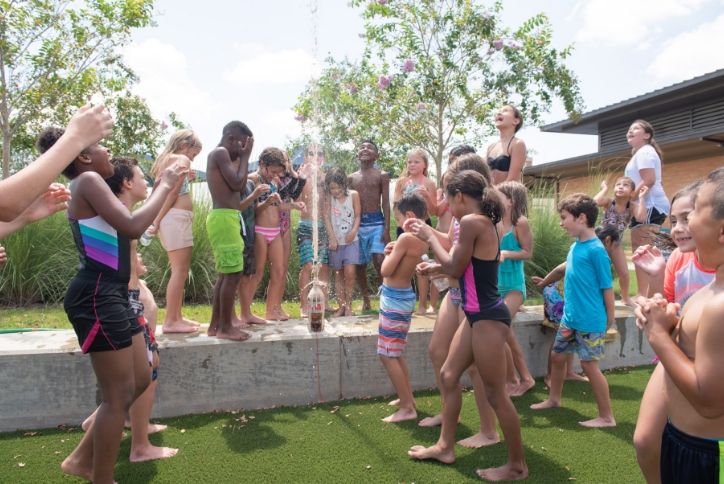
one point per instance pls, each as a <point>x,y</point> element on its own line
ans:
<point>397,302</point>
<point>226,171</point>
<point>314,159</point>
<point>290,189</point>
<point>373,186</point>
<point>267,233</point>
<point>97,299</point>
<point>677,279</point>
<point>690,351</point>
<point>516,246</point>
<point>474,260</point>
<point>342,218</point>
<point>618,212</point>
<point>589,307</point>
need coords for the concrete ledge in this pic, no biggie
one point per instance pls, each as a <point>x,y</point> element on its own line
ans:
<point>46,381</point>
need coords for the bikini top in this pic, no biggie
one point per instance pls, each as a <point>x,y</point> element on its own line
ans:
<point>102,250</point>
<point>501,162</point>
<point>185,188</point>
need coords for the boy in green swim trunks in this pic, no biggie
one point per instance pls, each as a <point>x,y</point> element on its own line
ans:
<point>226,171</point>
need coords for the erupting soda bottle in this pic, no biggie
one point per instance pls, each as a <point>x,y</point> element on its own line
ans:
<point>315,302</point>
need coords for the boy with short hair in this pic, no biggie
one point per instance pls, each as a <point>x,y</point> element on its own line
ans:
<point>373,187</point>
<point>690,350</point>
<point>397,302</point>
<point>589,308</point>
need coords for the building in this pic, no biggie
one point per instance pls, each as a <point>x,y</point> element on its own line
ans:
<point>688,119</point>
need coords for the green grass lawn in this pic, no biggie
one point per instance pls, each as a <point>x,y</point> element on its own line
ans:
<point>346,442</point>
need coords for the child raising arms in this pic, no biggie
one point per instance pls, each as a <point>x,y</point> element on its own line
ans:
<point>474,260</point>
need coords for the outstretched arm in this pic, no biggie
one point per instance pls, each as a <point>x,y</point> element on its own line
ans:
<point>601,198</point>
<point>53,200</point>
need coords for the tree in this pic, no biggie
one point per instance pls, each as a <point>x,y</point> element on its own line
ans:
<point>54,54</point>
<point>432,74</point>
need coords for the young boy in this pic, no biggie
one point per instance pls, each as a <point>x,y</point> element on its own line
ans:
<point>690,349</point>
<point>314,159</point>
<point>373,187</point>
<point>589,307</point>
<point>397,301</point>
<point>226,171</point>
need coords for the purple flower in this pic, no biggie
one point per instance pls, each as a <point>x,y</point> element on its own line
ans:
<point>498,44</point>
<point>409,65</point>
<point>163,125</point>
<point>352,88</point>
<point>382,2</point>
<point>384,82</point>
<point>513,44</point>
<point>300,117</point>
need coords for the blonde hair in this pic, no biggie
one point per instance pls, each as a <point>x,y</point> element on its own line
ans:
<point>423,155</point>
<point>183,138</point>
<point>518,195</point>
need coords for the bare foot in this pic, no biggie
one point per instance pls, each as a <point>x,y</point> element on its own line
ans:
<point>421,312</point>
<point>394,403</point>
<point>366,306</point>
<point>511,387</point>
<point>480,440</point>
<point>277,315</point>
<point>234,334</point>
<point>545,404</point>
<point>74,468</point>
<point>303,313</point>
<point>598,423</point>
<point>401,415</point>
<point>283,316</point>
<point>155,428</point>
<point>523,388</point>
<point>212,330</point>
<point>238,323</point>
<point>430,310</point>
<point>508,472</point>
<point>574,377</point>
<point>340,312</point>
<point>434,421</point>
<point>151,453</point>
<point>253,319</point>
<point>191,322</point>
<point>420,452</point>
<point>611,334</point>
<point>178,327</point>
<point>628,302</point>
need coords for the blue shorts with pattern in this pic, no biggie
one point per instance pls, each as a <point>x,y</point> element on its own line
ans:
<point>588,346</point>
<point>371,229</point>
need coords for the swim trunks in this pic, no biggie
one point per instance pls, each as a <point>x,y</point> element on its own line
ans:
<point>224,228</point>
<point>685,458</point>
<point>304,243</point>
<point>588,346</point>
<point>371,229</point>
<point>396,307</point>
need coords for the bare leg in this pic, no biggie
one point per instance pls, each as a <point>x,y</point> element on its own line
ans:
<point>180,261</point>
<point>488,340</point>
<point>557,371</point>
<point>275,292</point>
<point>397,371</point>
<point>342,301</point>
<point>514,300</point>
<point>363,288</point>
<point>305,275</point>
<point>639,236</point>
<point>227,293</point>
<point>599,385</point>
<point>348,286</point>
<point>423,286</point>
<point>377,262</point>
<point>214,323</point>
<point>650,426</point>
<point>511,378</point>
<point>140,411</point>
<point>434,296</point>
<point>246,289</point>
<point>488,434</point>
<point>620,265</point>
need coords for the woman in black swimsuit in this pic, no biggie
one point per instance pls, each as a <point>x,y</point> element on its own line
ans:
<point>507,155</point>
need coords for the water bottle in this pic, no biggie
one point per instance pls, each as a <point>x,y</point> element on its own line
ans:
<point>441,283</point>
<point>145,239</point>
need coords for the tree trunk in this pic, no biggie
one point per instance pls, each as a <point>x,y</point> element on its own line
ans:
<point>6,152</point>
<point>440,142</point>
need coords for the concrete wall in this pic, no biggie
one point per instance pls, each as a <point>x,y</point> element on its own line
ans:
<point>46,381</point>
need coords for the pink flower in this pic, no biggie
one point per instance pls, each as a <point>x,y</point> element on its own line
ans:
<point>513,44</point>
<point>352,88</point>
<point>409,65</point>
<point>163,125</point>
<point>384,82</point>
<point>498,44</point>
<point>300,117</point>
<point>382,2</point>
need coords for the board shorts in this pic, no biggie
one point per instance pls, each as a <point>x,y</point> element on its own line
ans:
<point>175,230</point>
<point>588,346</point>
<point>224,228</point>
<point>345,255</point>
<point>685,458</point>
<point>396,307</point>
<point>371,229</point>
<point>100,313</point>
<point>305,246</point>
<point>248,236</point>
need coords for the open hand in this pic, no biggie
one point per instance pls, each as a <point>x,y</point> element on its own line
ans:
<point>538,281</point>
<point>604,185</point>
<point>90,124</point>
<point>420,230</point>
<point>53,200</point>
<point>649,259</point>
<point>173,174</point>
<point>245,146</point>
<point>261,190</point>
<point>429,268</point>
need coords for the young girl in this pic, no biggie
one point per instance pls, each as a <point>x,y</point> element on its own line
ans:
<point>474,260</point>
<point>618,212</point>
<point>174,225</point>
<point>677,279</point>
<point>342,219</point>
<point>97,302</point>
<point>506,156</point>
<point>516,246</point>
<point>415,179</point>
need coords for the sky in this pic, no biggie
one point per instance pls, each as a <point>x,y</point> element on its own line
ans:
<point>214,62</point>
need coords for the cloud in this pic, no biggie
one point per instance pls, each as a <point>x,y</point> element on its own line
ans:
<point>260,65</point>
<point>165,82</point>
<point>690,54</point>
<point>627,22</point>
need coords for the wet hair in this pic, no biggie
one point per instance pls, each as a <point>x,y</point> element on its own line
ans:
<point>472,161</point>
<point>272,157</point>
<point>412,202</point>
<point>459,151</point>
<point>518,115</point>
<point>608,231</point>
<point>716,178</point>
<point>627,180</point>
<point>688,190</point>
<point>518,195</point>
<point>372,143</point>
<point>646,126</point>
<point>122,171</point>
<point>579,203</point>
<point>475,185</point>
<point>46,139</point>
<point>423,155</point>
<point>338,176</point>
<point>236,126</point>
<point>183,138</point>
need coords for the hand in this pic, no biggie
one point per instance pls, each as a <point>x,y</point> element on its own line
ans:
<point>428,268</point>
<point>90,124</point>
<point>538,281</point>
<point>504,255</point>
<point>662,315</point>
<point>273,200</point>
<point>643,191</point>
<point>649,259</point>
<point>152,229</point>
<point>3,255</point>
<point>299,206</point>
<point>604,185</point>
<point>408,223</point>
<point>53,200</point>
<point>261,190</point>
<point>639,308</point>
<point>141,268</point>
<point>389,247</point>
<point>350,237</point>
<point>173,174</point>
<point>421,230</point>
<point>246,146</point>
<point>332,244</point>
